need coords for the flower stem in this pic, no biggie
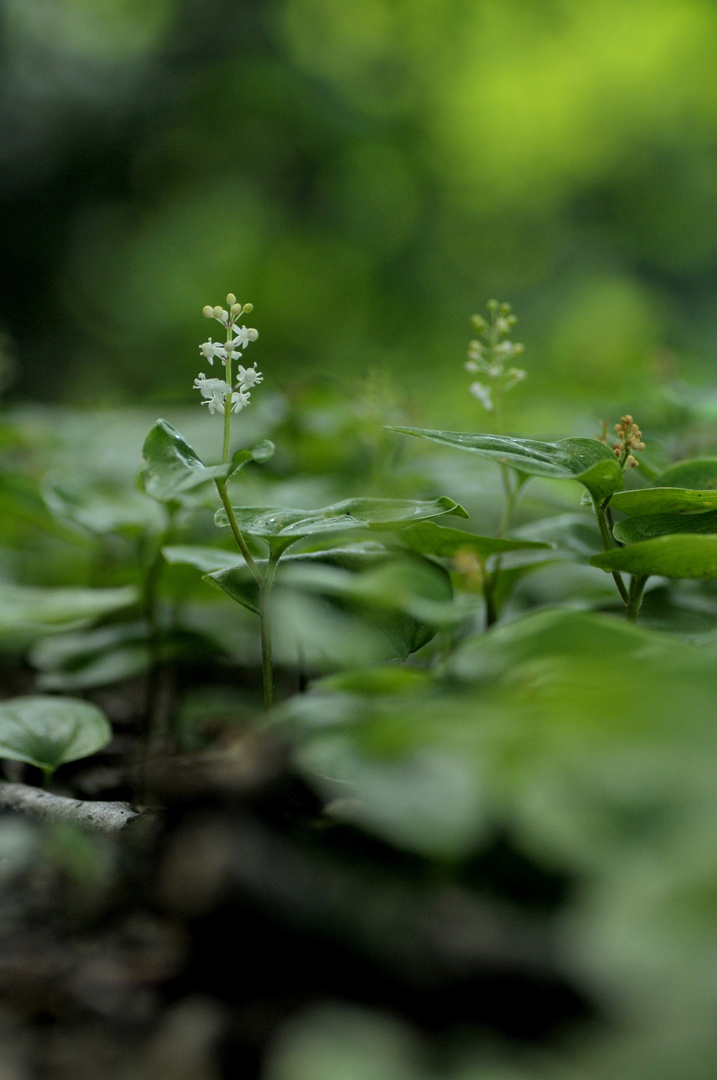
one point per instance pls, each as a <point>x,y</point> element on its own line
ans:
<point>637,588</point>
<point>228,407</point>
<point>237,533</point>
<point>265,616</point>
<point>599,509</point>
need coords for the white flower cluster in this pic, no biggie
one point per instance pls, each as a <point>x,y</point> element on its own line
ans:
<point>216,392</point>
<point>489,354</point>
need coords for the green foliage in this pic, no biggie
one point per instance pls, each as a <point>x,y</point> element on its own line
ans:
<point>50,731</point>
<point>587,460</point>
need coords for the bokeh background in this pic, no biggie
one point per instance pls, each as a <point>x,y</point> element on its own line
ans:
<point>368,175</point>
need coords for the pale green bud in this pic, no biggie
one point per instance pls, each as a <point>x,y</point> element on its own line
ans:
<point>208,311</point>
<point>231,298</point>
<point>217,312</point>
<point>247,309</point>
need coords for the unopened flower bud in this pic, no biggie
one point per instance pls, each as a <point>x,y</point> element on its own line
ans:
<point>235,309</point>
<point>218,311</point>
<point>208,311</point>
<point>231,298</point>
<point>247,309</point>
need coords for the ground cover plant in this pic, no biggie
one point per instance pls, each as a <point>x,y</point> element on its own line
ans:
<point>336,746</point>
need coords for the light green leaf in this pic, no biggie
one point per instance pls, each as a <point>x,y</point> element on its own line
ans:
<point>646,526</point>
<point>697,473</point>
<point>431,539</point>
<point>101,512</point>
<point>48,731</point>
<point>401,599</point>
<point>202,556</point>
<point>281,527</point>
<point>675,556</point>
<point>589,461</point>
<point>25,610</point>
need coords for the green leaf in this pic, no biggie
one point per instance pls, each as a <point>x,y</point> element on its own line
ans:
<point>698,473</point>
<point>401,599</point>
<point>202,557</point>
<point>172,469</point>
<point>48,731</point>
<point>101,512</point>
<point>686,488</point>
<point>589,461</point>
<point>27,612</point>
<point>281,527</point>
<point>646,526</point>
<point>674,556</point>
<point>664,500</point>
<point>431,539</point>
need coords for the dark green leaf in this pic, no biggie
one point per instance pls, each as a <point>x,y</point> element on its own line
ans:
<point>646,526</point>
<point>590,461</point>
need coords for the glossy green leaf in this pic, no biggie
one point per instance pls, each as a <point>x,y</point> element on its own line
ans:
<point>664,500</point>
<point>48,731</point>
<point>686,488</point>
<point>589,461</point>
<point>281,527</point>
<point>679,555</point>
<point>431,539</point>
<point>172,469</point>
<point>646,526</point>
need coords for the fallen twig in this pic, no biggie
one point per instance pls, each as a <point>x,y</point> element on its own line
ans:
<point>108,817</point>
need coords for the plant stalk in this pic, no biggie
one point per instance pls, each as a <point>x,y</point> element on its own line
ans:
<point>267,670</point>
<point>637,588</point>
<point>599,509</point>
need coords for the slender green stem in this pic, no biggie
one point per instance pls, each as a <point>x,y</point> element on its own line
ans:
<point>227,405</point>
<point>265,616</point>
<point>637,588</point>
<point>237,533</point>
<point>599,509</point>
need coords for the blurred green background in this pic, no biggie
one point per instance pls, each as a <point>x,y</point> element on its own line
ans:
<point>368,175</point>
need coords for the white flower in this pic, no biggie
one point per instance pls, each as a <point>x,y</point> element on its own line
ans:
<point>210,349</point>
<point>478,390</point>
<point>240,400</point>
<point>244,335</point>
<point>248,377</point>
<point>214,391</point>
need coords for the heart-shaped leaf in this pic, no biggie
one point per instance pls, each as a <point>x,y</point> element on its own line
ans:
<point>646,526</point>
<point>589,461</point>
<point>281,527</point>
<point>676,556</point>
<point>172,469</point>
<point>48,731</point>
